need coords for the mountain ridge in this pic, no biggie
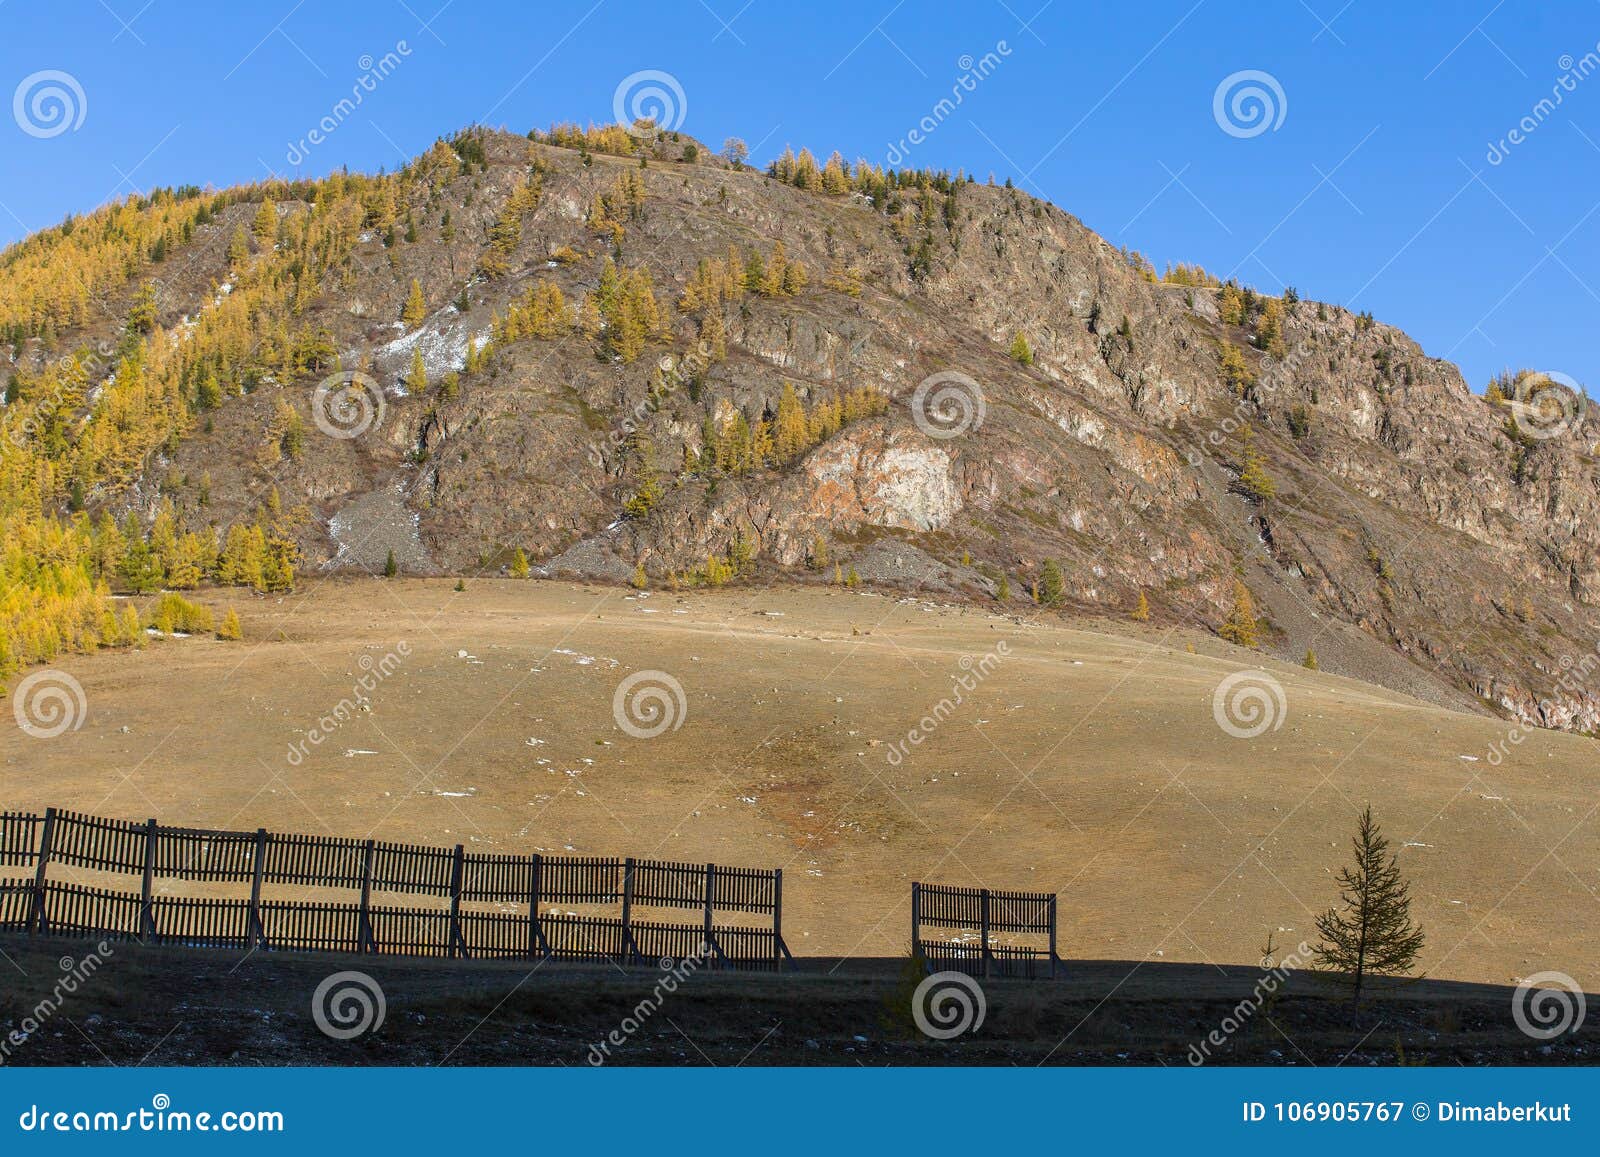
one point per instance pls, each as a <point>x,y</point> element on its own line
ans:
<point>1416,534</point>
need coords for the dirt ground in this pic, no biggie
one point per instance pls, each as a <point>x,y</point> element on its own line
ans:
<point>196,1007</point>
<point>1086,760</point>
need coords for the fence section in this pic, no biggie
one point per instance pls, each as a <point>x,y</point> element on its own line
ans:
<point>529,883</point>
<point>19,839</point>
<point>985,912</point>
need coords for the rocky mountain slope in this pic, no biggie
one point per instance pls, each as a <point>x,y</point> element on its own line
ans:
<point>1419,536</point>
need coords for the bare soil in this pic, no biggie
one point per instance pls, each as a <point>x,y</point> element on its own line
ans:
<point>187,1007</point>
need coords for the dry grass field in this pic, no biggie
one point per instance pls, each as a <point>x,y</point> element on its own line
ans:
<point>1086,759</point>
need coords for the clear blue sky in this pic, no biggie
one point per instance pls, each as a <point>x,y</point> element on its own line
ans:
<point>1375,190</point>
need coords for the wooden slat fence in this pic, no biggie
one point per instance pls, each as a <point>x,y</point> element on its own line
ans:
<point>90,842</point>
<point>16,904</point>
<point>297,926</point>
<point>314,861</point>
<point>74,910</point>
<point>1003,959</point>
<point>580,879</point>
<point>197,922</point>
<point>529,883</point>
<point>189,854</point>
<point>19,839</point>
<point>985,911</point>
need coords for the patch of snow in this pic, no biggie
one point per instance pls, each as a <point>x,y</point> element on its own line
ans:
<point>443,339</point>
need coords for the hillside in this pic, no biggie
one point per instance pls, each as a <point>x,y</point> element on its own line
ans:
<point>730,378</point>
<point>819,731</point>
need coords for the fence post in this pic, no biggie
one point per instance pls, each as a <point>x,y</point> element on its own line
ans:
<point>709,943</point>
<point>147,916</point>
<point>628,952</point>
<point>916,919</point>
<point>365,940</point>
<point>537,944</point>
<point>1052,935</point>
<point>983,917</point>
<point>257,934</point>
<point>777,919</point>
<point>458,943</point>
<point>37,919</point>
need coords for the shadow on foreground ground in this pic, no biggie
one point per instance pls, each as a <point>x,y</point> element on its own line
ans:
<point>169,1006</point>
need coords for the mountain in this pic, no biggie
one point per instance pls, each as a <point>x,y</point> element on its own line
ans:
<point>613,354</point>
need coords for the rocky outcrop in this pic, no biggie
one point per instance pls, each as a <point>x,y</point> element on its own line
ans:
<point>1416,538</point>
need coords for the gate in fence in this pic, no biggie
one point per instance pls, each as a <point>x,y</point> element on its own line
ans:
<point>975,916</point>
<point>525,885</point>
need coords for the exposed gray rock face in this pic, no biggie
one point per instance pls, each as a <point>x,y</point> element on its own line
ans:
<point>1415,538</point>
